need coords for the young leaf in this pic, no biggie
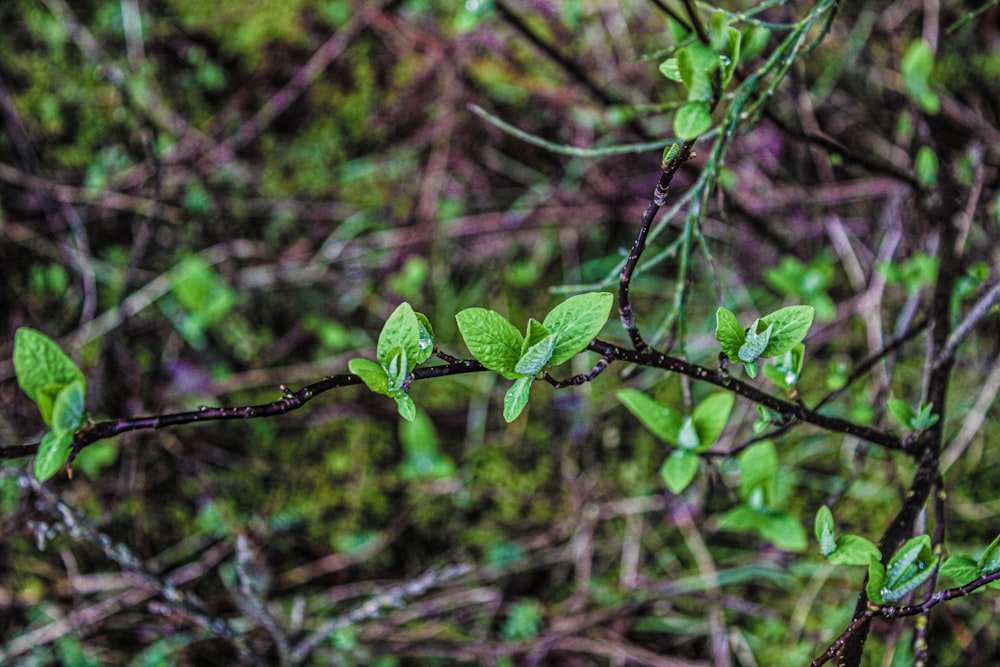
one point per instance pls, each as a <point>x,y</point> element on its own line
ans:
<point>658,418</point>
<point>695,62</point>
<point>791,325</point>
<point>692,120</point>
<point>825,535</point>
<point>401,330</point>
<point>729,54</point>
<point>68,414</point>
<point>785,371</point>
<point>759,470</point>
<point>926,166</point>
<point>853,550</point>
<point>536,331</point>
<point>687,436</point>
<point>902,412</point>
<point>755,343</point>
<point>53,452</point>
<point>876,581</point>
<point>710,417</point>
<point>960,569</point>
<point>668,68</point>
<point>578,320</point>
<point>397,369</point>
<point>911,566</point>
<point>371,374</point>
<point>729,333</point>
<point>917,67</point>
<point>990,561</point>
<point>491,339</point>
<point>42,368</point>
<point>516,398</point>
<point>426,338</point>
<point>679,469</point>
<point>538,356</point>
<point>751,368</point>
<point>785,531</point>
<point>754,41</point>
<point>405,406</point>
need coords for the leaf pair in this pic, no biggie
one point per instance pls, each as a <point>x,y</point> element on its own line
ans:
<point>407,339</point>
<point>911,419</point>
<point>760,511</point>
<point>767,337</point>
<point>58,388</point>
<point>500,347</point>
<point>690,434</point>
<point>963,569</point>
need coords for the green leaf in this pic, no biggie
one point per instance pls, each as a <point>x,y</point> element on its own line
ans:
<point>420,445</point>
<point>538,356</point>
<point>710,417</point>
<point>491,339</point>
<point>668,68</point>
<point>917,68</point>
<point>401,330</point>
<point>751,368</point>
<point>694,62</point>
<point>68,413</point>
<point>53,452</point>
<point>823,528</point>
<point>990,561</point>
<point>785,531</point>
<point>756,341</point>
<point>396,370</point>
<point>853,550</point>
<point>729,54</point>
<point>679,469</point>
<point>658,418</point>
<point>578,319</point>
<point>785,371</point>
<point>902,412</point>
<point>742,517</point>
<point>516,398</point>
<point>960,569</point>
<point>791,325</point>
<point>692,120</point>
<point>926,166</point>
<point>925,418</point>
<point>371,374</point>
<point>43,369</point>
<point>687,436</point>
<point>909,567</point>
<point>729,333</point>
<point>876,581</point>
<point>759,469</point>
<point>754,41</point>
<point>201,291</point>
<point>535,332</point>
<point>426,338</point>
<point>405,406</point>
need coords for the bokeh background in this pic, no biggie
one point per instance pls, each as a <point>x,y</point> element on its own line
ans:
<point>204,201</point>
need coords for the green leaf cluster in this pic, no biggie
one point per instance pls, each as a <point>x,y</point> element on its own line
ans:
<point>705,70</point>
<point>767,337</point>
<point>911,419</point>
<point>407,339</point>
<point>689,434</point>
<point>500,347</point>
<point>58,388</point>
<point>908,568</point>
<point>806,283</point>
<point>761,511</point>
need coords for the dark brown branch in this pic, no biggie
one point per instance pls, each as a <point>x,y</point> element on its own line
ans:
<point>625,281</point>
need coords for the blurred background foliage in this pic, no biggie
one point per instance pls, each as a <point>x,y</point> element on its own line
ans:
<point>204,201</point>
